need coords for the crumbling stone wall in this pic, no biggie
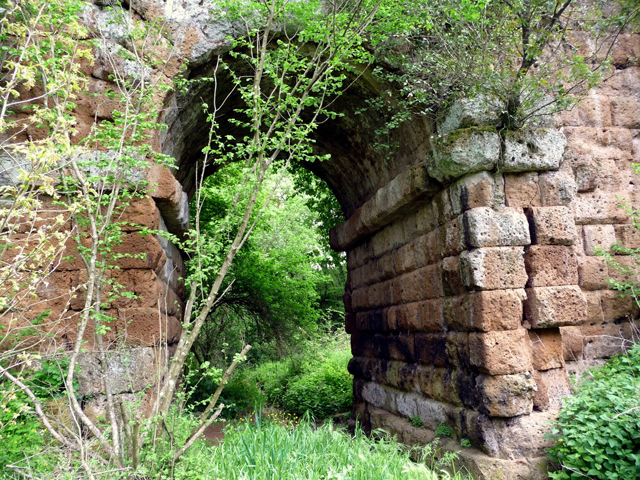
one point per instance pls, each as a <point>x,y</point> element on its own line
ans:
<point>473,289</point>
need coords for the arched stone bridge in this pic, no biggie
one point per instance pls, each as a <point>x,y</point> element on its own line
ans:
<point>473,289</point>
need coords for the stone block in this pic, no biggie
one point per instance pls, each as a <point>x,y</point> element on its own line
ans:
<point>451,278</point>
<point>442,207</point>
<point>485,311</point>
<point>552,225</point>
<point>458,355</point>
<point>605,340</point>
<point>615,307</point>
<point>422,284</point>
<point>130,370</point>
<point>140,252</point>
<point>493,268</point>
<point>141,212</point>
<point>625,269</point>
<point>451,238</point>
<point>557,188</point>
<point>595,313</point>
<point>462,152</point>
<point>431,315</point>
<point>522,190</point>
<point>550,265</point>
<point>552,387</point>
<point>546,348</point>
<point>586,177</point>
<point>145,327</point>
<point>628,237</point>
<point>593,273</point>
<point>548,307</point>
<point>598,238</point>
<point>500,353</point>
<point>625,112</point>
<point>398,347</point>
<point>506,395</point>
<point>598,208</point>
<point>480,189</point>
<point>469,112</point>
<point>533,150</point>
<point>431,349</point>
<point>426,219</point>
<point>572,343</point>
<point>488,227</point>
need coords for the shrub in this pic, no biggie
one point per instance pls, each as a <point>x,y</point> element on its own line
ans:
<point>325,389</point>
<point>597,434</point>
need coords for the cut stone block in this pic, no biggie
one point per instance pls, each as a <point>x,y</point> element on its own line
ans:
<point>507,395</point>
<point>552,225</point>
<point>464,151</point>
<point>493,268</point>
<point>533,150</point>
<point>557,188</point>
<point>555,306</point>
<point>546,348</point>
<point>572,343</point>
<point>598,208</point>
<point>488,227</point>
<point>480,189</point>
<point>598,238</point>
<point>522,190</point>
<point>593,273</point>
<point>627,236</point>
<point>552,387</point>
<point>500,353</point>
<point>469,112</point>
<point>485,311</point>
<point>549,265</point>
<point>131,370</point>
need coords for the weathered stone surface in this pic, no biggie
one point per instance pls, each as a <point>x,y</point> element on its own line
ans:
<point>451,238</point>
<point>606,339</point>
<point>469,112</point>
<point>480,189</point>
<point>493,268</point>
<point>615,307</point>
<point>535,149</point>
<point>627,236</point>
<point>129,370</point>
<point>451,278</point>
<point>593,273</point>
<point>572,343</point>
<point>488,227</point>
<point>546,348</point>
<point>598,208</point>
<point>500,353</point>
<point>464,151</point>
<point>485,311</point>
<point>553,386</point>
<point>522,190</point>
<point>557,188</point>
<point>598,238</point>
<point>552,225</point>
<point>555,306</point>
<point>549,265</point>
<point>507,395</point>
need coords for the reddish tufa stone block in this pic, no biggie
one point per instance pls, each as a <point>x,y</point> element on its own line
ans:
<point>506,395</point>
<point>451,238</point>
<point>572,343</point>
<point>552,225</point>
<point>141,212</point>
<point>522,190</point>
<point>552,387</point>
<point>500,353</point>
<point>422,284</point>
<point>555,306</point>
<point>598,208</point>
<point>627,236</point>
<point>592,273</point>
<point>451,278</point>
<point>615,307</point>
<point>493,268</point>
<point>431,349</point>
<point>594,307</point>
<point>598,238</point>
<point>431,315</point>
<point>485,311</point>
<point>549,265</point>
<point>546,348</point>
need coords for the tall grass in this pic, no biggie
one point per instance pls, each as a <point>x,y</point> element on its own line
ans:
<point>269,451</point>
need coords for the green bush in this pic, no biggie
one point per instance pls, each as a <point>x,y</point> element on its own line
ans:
<point>597,434</point>
<point>325,389</point>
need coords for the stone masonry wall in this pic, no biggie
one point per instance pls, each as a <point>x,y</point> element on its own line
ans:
<point>472,307</point>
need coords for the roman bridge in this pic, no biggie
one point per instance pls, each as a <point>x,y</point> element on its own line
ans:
<point>473,288</point>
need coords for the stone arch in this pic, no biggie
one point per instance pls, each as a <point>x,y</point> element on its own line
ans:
<point>472,289</point>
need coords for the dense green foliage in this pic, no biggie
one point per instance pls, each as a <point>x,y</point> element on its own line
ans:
<point>274,450</point>
<point>597,434</point>
<point>313,381</point>
<point>284,283</point>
